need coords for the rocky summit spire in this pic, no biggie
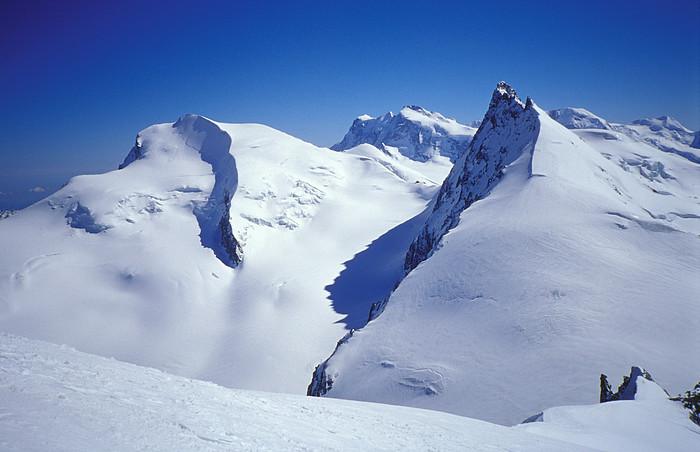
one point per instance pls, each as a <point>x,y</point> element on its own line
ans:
<point>504,98</point>
<point>508,127</point>
<point>504,92</point>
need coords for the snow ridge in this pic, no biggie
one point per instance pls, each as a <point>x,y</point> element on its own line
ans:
<point>214,217</point>
<point>508,128</point>
<point>417,133</point>
<point>213,145</point>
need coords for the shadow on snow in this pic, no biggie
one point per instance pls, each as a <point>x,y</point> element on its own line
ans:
<point>372,274</point>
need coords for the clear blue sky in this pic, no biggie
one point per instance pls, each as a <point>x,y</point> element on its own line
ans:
<point>79,79</point>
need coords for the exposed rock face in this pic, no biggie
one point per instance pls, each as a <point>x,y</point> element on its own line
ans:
<point>691,402</point>
<point>134,154</point>
<point>213,145</point>
<point>417,133</point>
<point>508,127</point>
<point>80,217</point>
<point>6,213</point>
<point>214,217</point>
<point>321,382</point>
<point>628,388</point>
<point>230,248</point>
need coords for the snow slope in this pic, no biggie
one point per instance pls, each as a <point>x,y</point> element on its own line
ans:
<point>550,257</point>
<point>214,252</point>
<point>415,132</point>
<point>54,398</point>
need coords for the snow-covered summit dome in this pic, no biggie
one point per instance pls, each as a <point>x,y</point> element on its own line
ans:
<point>417,133</point>
<point>578,118</point>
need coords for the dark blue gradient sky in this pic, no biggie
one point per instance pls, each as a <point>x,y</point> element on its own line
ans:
<point>79,79</point>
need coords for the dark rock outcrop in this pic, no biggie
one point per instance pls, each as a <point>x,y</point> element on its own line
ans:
<point>691,402</point>
<point>321,382</point>
<point>80,217</point>
<point>134,154</point>
<point>628,388</point>
<point>213,144</point>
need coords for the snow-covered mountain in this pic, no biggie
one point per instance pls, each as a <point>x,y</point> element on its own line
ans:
<point>54,398</point>
<point>415,132</point>
<point>578,118</point>
<point>214,252</point>
<point>550,255</point>
<point>663,133</point>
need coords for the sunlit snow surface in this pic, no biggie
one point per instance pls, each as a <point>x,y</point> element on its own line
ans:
<point>54,398</point>
<point>114,264</point>
<point>584,259</point>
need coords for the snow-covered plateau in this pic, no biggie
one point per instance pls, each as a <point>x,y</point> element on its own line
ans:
<point>504,269</point>
<point>55,398</point>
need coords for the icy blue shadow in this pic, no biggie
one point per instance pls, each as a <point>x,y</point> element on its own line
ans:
<point>372,274</point>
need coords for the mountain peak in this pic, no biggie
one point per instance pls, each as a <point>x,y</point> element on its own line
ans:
<point>578,118</point>
<point>663,122</point>
<point>416,108</point>
<point>504,91</point>
<point>506,130</point>
<point>504,96</point>
<point>417,133</point>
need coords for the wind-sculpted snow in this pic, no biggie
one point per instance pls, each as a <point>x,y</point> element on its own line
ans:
<point>554,256</point>
<point>417,134</point>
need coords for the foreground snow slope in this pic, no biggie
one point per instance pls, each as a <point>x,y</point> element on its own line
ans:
<point>145,263</point>
<point>54,398</point>
<point>581,256</point>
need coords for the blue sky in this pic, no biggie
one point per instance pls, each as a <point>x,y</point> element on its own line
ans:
<point>81,78</point>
